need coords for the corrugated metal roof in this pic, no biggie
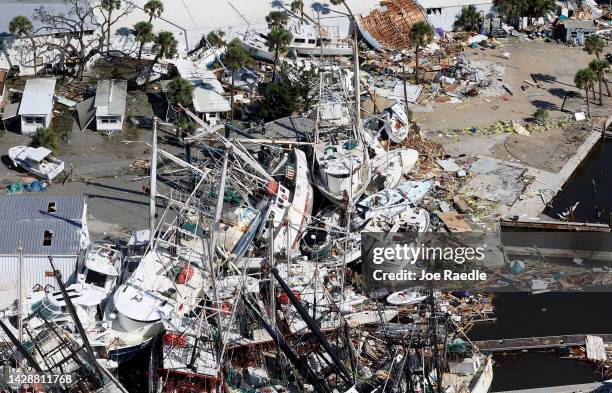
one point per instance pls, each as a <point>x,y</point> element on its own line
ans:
<point>26,218</point>
<point>208,96</point>
<point>111,96</point>
<point>27,8</point>
<point>578,24</point>
<point>37,97</point>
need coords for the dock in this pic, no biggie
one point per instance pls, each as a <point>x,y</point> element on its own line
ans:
<point>548,342</point>
<point>555,225</point>
<point>583,388</point>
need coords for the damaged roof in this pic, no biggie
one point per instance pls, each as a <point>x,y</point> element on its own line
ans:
<point>111,96</point>
<point>390,24</point>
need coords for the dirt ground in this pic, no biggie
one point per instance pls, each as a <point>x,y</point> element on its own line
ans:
<point>554,67</point>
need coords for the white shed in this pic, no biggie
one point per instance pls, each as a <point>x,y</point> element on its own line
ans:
<point>442,14</point>
<point>111,96</point>
<point>36,108</point>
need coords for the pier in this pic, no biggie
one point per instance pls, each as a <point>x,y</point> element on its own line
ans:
<point>549,342</point>
<point>584,388</point>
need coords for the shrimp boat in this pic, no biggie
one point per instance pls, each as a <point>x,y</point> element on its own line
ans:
<point>341,166</point>
<point>39,161</point>
<point>306,41</point>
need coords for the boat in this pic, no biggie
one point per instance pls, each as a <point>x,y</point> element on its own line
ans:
<point>405,297</point>
<point>37,160</point>
<point>370,317</point>
<point>341,167</point>
<point>308,42</point>
<point>413,220</point>
<point>389,169</point>
<point>473,374</point>
<point>397,125</point>
<point>394,200</point>
<point>255,43</point>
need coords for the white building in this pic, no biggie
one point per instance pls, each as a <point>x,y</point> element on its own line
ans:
<point>45,226</point>
<point>50,40</point>
<point>36,107</point>
<point>111,96</point>
<point>442,14</point>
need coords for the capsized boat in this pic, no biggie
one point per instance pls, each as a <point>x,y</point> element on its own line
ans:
<point>37,160</point>
<point>389,169</point>
<point>394,200</point>
<point>341,167</point>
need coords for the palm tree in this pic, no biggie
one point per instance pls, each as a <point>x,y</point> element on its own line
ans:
<point>235,57</point>
<point>180,92</point>
<point>469,19</point>
<point>585,79</point>
<point>278,41</point>
<point>165,47</point>
<point>215,38</point>
<point>109,6</point>
<point>297,6</point>
<point>539,8</point>
<point>277,20</point>
<point>20,26</point>
<point>45,137</point>
<point>421,34</point>
<point>153,8</point>
<point>511,9</point>
<point>143,31</point>
<point>595,45</point>
<point>600,67</point>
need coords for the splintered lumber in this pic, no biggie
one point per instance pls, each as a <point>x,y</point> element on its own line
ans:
<point>391,23</point>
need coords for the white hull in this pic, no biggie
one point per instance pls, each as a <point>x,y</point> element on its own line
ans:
<point>393,166</point>
<point>397,126</point>
<point>325,51</point>
<point>38,161</point>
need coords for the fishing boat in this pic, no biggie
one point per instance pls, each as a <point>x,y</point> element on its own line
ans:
<point>37,160</point>
<point>308,42</point>
<point>389,169</point>
<point>255,43</point>
<point>405,297</point>
<point>341,167</point>
<point>394,200</point>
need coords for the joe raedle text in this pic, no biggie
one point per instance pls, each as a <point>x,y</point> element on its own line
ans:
<point>445,275</point>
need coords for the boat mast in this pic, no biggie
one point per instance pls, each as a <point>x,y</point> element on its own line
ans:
<point>153,180</point>
<point>356,73</point>
<point>20,289</point>
<point>271,264</point>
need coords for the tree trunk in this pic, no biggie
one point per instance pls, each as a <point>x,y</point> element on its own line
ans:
<point>588,102</point>
<point>140,49</point>
<point>600,91</point>
<point>416,67</point>
<point>276,54</point>
<point>232,98</point>
<point>108,31</point>
<point>34,53</point>
<point>146,85</point>
<point>605,81</point>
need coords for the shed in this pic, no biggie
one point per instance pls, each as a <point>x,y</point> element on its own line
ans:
<point>45,226</point>
<point>36,108</point>
<point>110,102</point>
<point>576,31</point>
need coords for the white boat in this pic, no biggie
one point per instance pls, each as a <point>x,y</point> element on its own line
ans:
<point>370,317</point>
<point>341,162</point>
<point>470,374</point>
<point>37,160</point>
<point>256,45</point>
<point>102,268</point>
<point>397,125</point>
<point>394,200</point>
<point>405,298</point>
<point>389,169</point>
<point>307,41</point>
<point>408,220</point>
<point>292,207</point>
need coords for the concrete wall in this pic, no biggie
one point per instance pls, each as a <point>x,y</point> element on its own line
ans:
<point>30,129</point>
<point>447,17</point>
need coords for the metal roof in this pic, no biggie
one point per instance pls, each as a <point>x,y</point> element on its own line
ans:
<point>26,218</point>
<point>208,95</point>
<point>579,24</point>
<point>111,97</point>
<point>37,97</point>
<point>28,8</point>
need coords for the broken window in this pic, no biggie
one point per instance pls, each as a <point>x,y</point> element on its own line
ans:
<point>51,207</point>
<point>47,238</point>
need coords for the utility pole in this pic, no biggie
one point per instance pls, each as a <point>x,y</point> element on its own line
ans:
<point>153,181</point>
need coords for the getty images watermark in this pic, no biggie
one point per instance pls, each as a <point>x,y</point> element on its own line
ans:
<point>401,263</point>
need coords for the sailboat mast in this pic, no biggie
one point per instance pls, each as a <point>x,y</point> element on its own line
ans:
<point>272,299</point>
<point>356,73</point>
<point>20,289</point>
<point>153,180</point>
